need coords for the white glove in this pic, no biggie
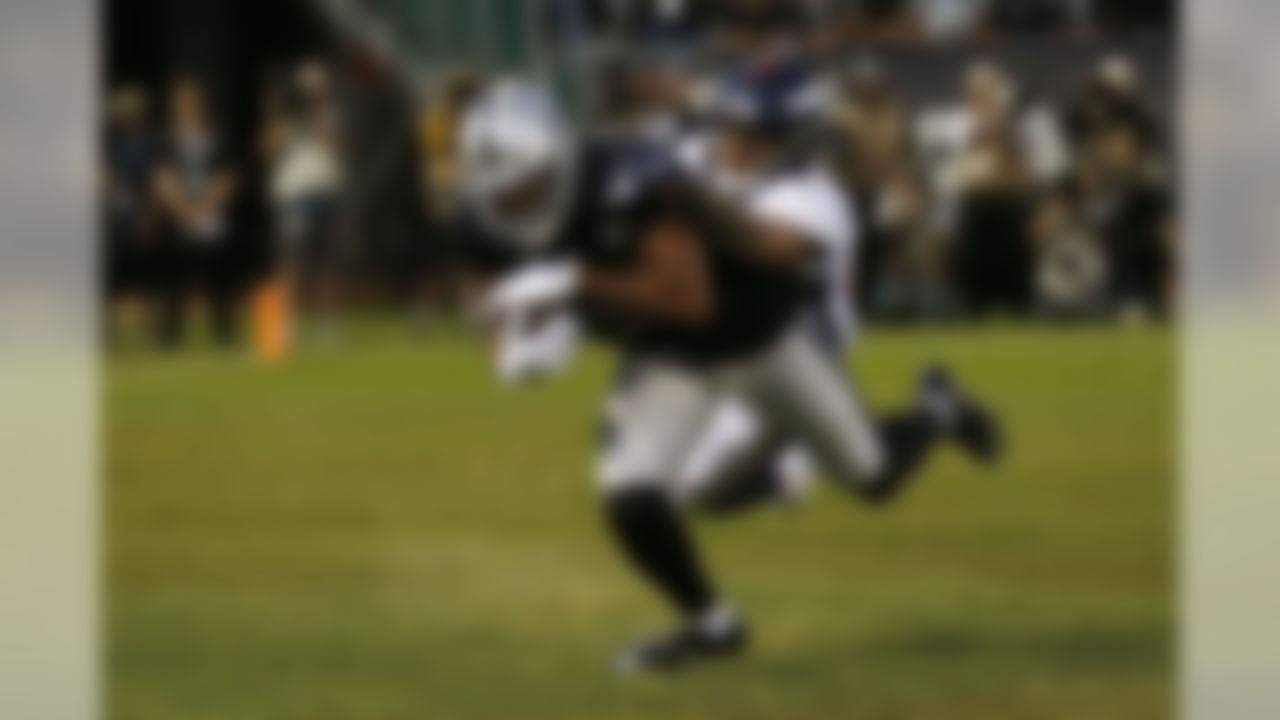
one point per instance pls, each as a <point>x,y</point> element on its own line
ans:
<point>530,352</point>
<point>539,285</point>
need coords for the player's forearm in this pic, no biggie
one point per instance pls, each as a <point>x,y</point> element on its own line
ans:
<point>668,281</point>
<point>767,244</point>
<point>761,242</point>
<point>651,295</point>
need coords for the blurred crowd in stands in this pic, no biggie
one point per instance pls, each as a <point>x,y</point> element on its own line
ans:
<point>992,201</point>
<point>179,208</point>
<point>986,195</point>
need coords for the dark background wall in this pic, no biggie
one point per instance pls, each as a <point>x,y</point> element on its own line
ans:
<point>231,46</point>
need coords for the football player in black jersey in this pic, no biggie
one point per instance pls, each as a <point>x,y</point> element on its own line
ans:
<point>699,306</point>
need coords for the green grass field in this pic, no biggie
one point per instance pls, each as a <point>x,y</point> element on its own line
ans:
<point>380,533</point>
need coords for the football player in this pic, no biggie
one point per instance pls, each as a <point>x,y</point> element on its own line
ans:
<point>701,306</point>
<point>767,120</point>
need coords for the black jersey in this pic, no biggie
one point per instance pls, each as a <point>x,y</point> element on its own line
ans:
<point>625,190</point>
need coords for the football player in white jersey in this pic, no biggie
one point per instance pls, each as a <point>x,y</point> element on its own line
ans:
<point>760,157</point>
<point>738,462</point>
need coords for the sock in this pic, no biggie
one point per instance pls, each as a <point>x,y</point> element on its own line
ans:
<point>907,438</point>
<point>940,406</point>
<point>717,621</point>
<point>649,531</point>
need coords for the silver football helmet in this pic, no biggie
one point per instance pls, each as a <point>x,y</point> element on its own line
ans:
<point>517,162</point>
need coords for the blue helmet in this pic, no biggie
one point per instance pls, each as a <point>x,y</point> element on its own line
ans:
<point>779,97</point>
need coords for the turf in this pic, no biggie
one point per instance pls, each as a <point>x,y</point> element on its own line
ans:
<point>380,533</point>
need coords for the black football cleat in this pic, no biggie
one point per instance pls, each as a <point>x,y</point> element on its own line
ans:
<point>970,424</point>
<point>675,650</point>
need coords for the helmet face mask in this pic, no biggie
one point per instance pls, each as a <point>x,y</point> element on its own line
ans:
<point>517,164</point>
<point>766,115</point>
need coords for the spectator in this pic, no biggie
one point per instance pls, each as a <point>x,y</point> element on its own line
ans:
<point>1044,142</point>
<point>1070,266</point>
<point>437,136</point>
<point>438,131</point>
<point>304,140</point>
<point>130,148</point>
<point>874,120</point>
<point>910,280</point>
<point>1133,209</point>
<point>194,186</point>
<point>872,160</point>
<point>1111,96</point>
<point>946,136</point>
<point>992,261</point>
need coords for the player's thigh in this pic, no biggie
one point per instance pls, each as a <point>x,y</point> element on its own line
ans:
<point>731,434</point>
<point>651,420</point>
<point>803,392</point>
